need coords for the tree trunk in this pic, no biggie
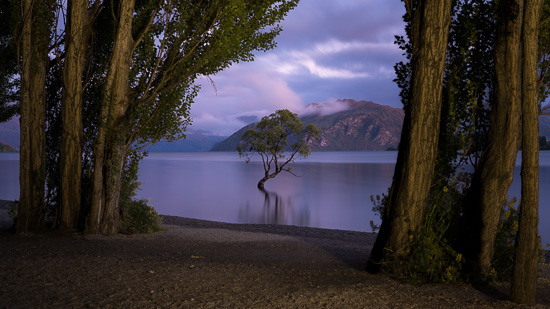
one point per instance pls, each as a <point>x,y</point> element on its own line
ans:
<point>98,200</point>
<point>71,138</point>
<point>493,176</point>
<point>419,138</point>
<point>110,223</point>
<point>261,183</point>
<point>34,54</point>
<point>524,279</point>
<point>110,145</point>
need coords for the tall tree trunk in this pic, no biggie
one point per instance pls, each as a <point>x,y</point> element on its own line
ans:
<point>76,40</point>
<point>34,54</point>
<point>98,200</point>
<point>419,139</point>
<point>110,146</point>
<point>524,279</point>
<point>116,156</point>
<point>493,176</point>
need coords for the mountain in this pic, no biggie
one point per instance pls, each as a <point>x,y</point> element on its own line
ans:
<point>346,125</point>
<point>544,124</point>
<point>9,132</point>
<point>362,125</point>
<point>7,148</point>
<point>231,143</point>
<point>194,141</point>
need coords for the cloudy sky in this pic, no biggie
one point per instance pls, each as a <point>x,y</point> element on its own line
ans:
<point>328,50</point>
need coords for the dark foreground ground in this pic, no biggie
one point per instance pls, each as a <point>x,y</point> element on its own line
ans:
<point>201,264</point>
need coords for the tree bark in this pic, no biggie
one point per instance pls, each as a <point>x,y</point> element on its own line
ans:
<point>116,155</point>
<point>110,145</point>
<point>71,138</point>
<point>524,279</point>
<point>261,183</point>
<point>419,139</point>
<point>34,60</point>
<point>493,177</point>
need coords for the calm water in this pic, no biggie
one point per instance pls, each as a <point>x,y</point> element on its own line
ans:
<point>333,191</point>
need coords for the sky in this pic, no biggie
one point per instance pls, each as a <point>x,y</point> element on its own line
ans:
<point>328,50</point>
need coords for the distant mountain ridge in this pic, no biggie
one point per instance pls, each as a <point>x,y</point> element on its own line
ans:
<point>194,141</point>
<point>7,148</point>
<point>9,132</point>
<point>544,124</point>
<point>345,124</point>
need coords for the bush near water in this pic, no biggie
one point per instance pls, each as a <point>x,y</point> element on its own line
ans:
<point>139,217</point>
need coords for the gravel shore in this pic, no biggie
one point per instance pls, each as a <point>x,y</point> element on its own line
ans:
<point>204,264</point>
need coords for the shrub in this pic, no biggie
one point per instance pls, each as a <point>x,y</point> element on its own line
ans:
<point>504,247</point>
<point>138,217</point>
<point>432,257</point>
<point>502,263</point>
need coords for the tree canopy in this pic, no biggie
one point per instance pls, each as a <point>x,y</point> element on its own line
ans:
<point>278,139</point>
<point>120,75</point>
<point>493,74</point>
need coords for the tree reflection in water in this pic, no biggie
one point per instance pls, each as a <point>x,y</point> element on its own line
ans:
<point>274,207</point>
<point>277,209</point>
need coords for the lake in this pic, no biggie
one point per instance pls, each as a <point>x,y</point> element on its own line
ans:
<point>333,190</point>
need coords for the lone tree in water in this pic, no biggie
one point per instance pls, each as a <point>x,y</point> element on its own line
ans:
<point>271,140</point>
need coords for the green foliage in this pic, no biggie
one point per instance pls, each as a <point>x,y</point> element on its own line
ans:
<point>403,69</point>
<point>53,141</point>
<point>271,140</point>
<point>176,43</point>
<point>9,77</point>
<point>544,59</point>
<point>504,247</point>
<point>468,85</point>
<point>432,257</point>
<point>130,184</point>
<point>467,95</point>
<point>138,217</point>
<point>505,244</point>
<point>464,123</point>
<point>186,40</point>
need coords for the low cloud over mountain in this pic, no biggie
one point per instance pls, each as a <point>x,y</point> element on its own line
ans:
<point>345,125</point>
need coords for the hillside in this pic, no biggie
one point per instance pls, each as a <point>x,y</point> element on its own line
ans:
<point>7,148</point>
<point>345,125</point>
<point>231,143</point>
<point>544,124</point>
<point>9,132</point>
<point>194,141</point>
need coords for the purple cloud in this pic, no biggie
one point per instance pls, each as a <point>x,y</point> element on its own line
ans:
<point>328,50</point>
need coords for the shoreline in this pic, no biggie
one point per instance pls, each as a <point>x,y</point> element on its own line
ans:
<point>340,237</point>
<point>206,264</point>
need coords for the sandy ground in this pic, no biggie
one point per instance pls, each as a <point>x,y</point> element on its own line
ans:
<point>203,264</point>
